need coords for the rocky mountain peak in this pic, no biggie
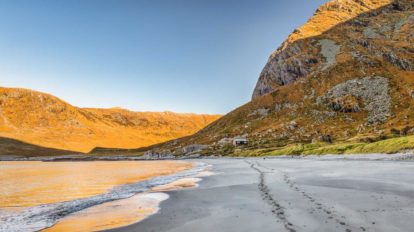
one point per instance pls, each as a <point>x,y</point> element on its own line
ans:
<point>292,60</point>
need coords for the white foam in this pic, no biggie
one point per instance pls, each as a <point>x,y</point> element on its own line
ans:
<point>43,216</point>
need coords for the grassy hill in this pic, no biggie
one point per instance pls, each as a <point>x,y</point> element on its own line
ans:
<point>42,119</point>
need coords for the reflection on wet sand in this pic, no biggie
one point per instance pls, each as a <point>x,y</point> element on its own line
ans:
<point>111,214</point>
<point>122,212</point>
<point>34,183</point>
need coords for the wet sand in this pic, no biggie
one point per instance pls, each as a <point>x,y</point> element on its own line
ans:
<point>291,195</point>
<point>111,214</point>
<point>123,212</point>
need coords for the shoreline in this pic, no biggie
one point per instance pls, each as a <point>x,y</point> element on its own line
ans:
<point>130,210</point>
<point>113,214</point>
<point>290,195</point>
<point>44,216</point>
<point>91,158</point>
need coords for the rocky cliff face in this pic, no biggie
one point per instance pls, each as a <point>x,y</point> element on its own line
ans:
<point>45,120</point>
<point>306,52</point>
<point>348,74</point>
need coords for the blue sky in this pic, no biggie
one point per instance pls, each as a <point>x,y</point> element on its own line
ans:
<point>201,56</point>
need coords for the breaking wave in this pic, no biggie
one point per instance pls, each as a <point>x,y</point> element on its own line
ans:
<point>43,216</point>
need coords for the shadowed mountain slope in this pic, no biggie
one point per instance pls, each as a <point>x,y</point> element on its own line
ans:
<point>12,147</point>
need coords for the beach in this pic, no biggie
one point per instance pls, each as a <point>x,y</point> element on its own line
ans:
<point>79,196</point>
<point>311,194</point>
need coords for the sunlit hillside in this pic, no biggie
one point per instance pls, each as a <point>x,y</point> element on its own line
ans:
<point>45,120</point>
<point>333,13</point>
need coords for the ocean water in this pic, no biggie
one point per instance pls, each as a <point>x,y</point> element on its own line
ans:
<point>36,195</point>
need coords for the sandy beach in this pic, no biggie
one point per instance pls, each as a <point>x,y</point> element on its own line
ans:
<point>291,195</point>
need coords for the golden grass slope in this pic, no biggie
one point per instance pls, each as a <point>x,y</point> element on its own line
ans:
<point>333,13</point>
<point>45,120</point>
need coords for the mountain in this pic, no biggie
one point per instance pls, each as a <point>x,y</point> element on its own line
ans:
<point>12,148</point>
<point>345,76</point>
<point>44,120</point>
<point>299,56</point>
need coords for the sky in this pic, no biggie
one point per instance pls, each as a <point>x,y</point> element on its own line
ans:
<point>199,56</point>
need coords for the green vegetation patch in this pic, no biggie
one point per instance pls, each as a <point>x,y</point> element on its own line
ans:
<point>393,145</point>
<point>332,149</point>
<point>296,149</point>
<point>387,146</point>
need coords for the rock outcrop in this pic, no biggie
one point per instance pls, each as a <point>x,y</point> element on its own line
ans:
<point>372,92</point>
<point>308,51</point>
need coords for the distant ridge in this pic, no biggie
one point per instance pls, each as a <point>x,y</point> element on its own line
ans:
<point>42,119</point>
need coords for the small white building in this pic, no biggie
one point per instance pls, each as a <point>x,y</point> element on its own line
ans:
<point>237,141</point>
